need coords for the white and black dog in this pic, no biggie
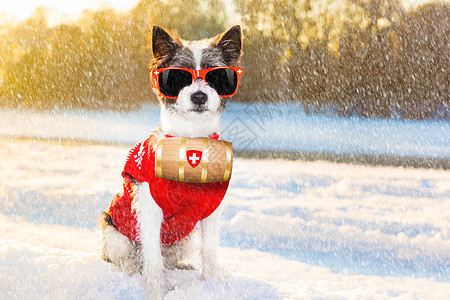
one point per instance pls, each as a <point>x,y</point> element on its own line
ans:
<point>188,109</point>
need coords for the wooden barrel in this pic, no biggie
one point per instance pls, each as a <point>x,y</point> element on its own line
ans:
<point>196,160</point>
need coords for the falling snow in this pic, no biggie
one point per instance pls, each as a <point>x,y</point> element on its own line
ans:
<point>291,229</point>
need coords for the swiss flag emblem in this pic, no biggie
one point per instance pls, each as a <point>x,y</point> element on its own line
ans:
<point>194,157</point>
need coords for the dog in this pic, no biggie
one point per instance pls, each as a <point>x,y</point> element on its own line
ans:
<point>140,232</point>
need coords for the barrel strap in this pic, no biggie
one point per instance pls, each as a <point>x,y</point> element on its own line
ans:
<point>159,148</point>
<point>205,160</point>
<point>227,173</point>
<point>181,159</point>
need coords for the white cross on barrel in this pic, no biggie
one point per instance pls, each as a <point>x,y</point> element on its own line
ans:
<point>193,158</point>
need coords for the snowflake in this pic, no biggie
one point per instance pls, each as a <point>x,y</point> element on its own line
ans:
<point>139,156</point>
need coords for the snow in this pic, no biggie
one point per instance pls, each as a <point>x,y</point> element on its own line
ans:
<point>253,126</point>
<point>290,230</point>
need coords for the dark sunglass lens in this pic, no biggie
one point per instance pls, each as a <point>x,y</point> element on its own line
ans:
<point>172,81</point>
<point>224,81</point>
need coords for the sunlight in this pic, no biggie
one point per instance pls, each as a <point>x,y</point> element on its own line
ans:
<point>22,9</point>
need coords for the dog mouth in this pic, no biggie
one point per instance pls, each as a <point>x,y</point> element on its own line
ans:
<point>199,109</point>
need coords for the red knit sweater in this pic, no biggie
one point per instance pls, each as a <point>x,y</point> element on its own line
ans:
<point>183,204</point>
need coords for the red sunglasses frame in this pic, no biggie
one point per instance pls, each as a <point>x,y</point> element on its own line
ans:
<point>154,77</point>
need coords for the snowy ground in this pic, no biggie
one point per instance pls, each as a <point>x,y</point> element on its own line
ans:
<point>291,229</point>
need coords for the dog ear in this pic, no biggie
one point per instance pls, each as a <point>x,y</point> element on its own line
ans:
<point>163,43</point>
<point>230,43</point>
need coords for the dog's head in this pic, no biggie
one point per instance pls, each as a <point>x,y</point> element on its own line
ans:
<point>196,110</point>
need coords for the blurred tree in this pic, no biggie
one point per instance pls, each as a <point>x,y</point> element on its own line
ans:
<point>374,73</point>
<point>265,77</point>
<point>424,61</point>
<point>367,61</point>
<point>289,41</point>
<point>190,19</point>
<point>312,67</point>
<point>393,65</point>
<point>64,71</point>
<point>23,73</point>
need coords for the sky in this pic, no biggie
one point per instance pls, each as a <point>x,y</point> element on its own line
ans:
<point>21,9</point>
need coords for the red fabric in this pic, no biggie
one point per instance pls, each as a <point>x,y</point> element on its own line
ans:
<point>183,204</point>
<point>214,136</point>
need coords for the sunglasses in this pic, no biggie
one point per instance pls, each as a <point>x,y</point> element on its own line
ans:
<point>170,81</point>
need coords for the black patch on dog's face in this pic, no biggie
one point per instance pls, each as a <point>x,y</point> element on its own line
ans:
<point>212,57</point>
<point>183,57</point>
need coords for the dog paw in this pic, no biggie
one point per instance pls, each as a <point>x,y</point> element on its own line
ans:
<point>156,292</point>
<point>184,266</point>
<point>157,287</point>
<point>214,272</point>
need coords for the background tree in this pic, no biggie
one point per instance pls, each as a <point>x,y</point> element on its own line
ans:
<point>424,61</point>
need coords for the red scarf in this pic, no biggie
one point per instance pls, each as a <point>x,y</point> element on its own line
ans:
<point>183,204</point>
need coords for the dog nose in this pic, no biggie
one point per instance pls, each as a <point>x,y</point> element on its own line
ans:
<point>199,98</point>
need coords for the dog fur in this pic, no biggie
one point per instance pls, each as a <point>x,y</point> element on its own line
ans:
<point>180,117</point>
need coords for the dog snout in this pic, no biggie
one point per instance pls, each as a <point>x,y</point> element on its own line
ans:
<point>199,98</point>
